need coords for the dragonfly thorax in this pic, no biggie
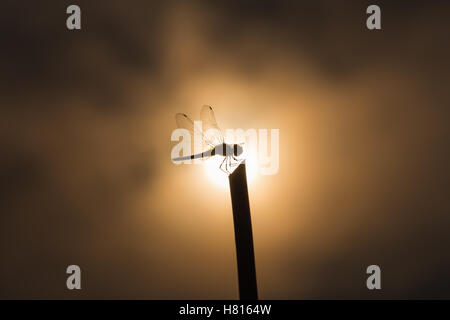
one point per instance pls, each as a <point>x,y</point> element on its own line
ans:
<point>229,150</point>
<point>237,150</point>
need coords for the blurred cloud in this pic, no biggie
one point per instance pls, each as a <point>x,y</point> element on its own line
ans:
<point>87,179</point>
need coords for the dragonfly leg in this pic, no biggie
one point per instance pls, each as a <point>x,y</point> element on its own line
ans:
<point>227,165</point>
<point>221,165</point>
<point>234,164</point>
<point>230,163</point>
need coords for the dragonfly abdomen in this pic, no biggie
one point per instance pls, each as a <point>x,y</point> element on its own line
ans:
<point>202,155</point>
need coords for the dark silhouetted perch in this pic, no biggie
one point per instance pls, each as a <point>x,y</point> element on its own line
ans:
<point>243,234</point>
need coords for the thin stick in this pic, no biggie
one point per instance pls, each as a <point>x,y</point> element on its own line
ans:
<point>243,234</point>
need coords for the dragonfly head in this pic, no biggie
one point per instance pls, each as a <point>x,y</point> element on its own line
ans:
<point>237,150</point>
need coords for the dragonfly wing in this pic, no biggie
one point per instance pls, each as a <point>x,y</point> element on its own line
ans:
<point>210,128</point>
<point>184,122</point>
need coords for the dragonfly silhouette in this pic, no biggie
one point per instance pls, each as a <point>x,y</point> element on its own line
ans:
<point>212,139</point>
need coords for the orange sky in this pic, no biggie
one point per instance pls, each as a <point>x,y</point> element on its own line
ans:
<point>362,180</point>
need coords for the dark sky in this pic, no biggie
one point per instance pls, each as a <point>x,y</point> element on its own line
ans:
<point>85,171</point>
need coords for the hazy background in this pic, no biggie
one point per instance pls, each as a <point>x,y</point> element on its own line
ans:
<point>85,171</point>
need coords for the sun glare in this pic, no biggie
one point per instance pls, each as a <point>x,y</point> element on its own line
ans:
<point>219,178</point>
